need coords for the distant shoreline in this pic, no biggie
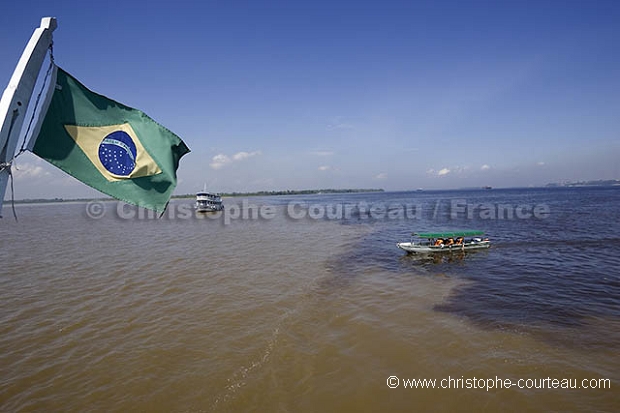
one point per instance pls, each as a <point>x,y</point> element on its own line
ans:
<point>223,194</point>
<point>600,182</point>
<point>287,192</point>
<point>564,185</point>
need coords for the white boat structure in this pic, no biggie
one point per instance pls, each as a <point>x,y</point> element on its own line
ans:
<point>208,202</point>
<point>431,242</point>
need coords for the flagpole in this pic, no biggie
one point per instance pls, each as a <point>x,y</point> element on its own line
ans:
<point>16,96</point>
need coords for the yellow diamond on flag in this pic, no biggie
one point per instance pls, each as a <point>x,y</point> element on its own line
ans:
<point>115,150</point>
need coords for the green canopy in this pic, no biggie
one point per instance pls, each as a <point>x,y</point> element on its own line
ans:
<point>453,234</point>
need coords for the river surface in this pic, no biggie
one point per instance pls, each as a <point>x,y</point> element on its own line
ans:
<point>304,304</point>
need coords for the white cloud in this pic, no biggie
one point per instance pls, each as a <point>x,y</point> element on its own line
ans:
<point>337,123</point>
<point>340,126</point>
<point>456,170</point>
<point>540,163</point>
<point>28,170</point>
<point>239,156</point>
<point>322,153</point>
<point>324,168</point>
<point>382,175</point>
<point>485,167</point>
<point>220,160</point>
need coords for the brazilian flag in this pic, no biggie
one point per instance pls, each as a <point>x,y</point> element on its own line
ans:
<point>111,147</point>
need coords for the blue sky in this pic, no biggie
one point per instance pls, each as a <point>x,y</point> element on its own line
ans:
<point>274,95</point>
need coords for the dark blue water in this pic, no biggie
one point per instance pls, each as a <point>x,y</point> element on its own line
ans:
<point>553,269</point>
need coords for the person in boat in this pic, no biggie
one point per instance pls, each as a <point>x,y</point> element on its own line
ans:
<point>438,242</point>
<point>450,242</point>
<point>459,241</point>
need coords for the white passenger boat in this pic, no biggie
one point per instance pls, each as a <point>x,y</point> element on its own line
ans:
<point>430,242</point>
<point>208,202</point>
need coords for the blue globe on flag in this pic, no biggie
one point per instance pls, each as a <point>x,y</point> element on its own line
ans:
<point>117,153</point>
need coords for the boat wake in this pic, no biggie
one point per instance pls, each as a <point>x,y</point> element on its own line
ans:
<point>239,378</point>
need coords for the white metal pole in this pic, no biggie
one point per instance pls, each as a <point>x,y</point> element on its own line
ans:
<point>16,97</point>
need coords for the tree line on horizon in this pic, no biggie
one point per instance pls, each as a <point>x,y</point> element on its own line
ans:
<point>289,192</point>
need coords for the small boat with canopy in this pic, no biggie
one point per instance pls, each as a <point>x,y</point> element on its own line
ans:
<point>428,242</point>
